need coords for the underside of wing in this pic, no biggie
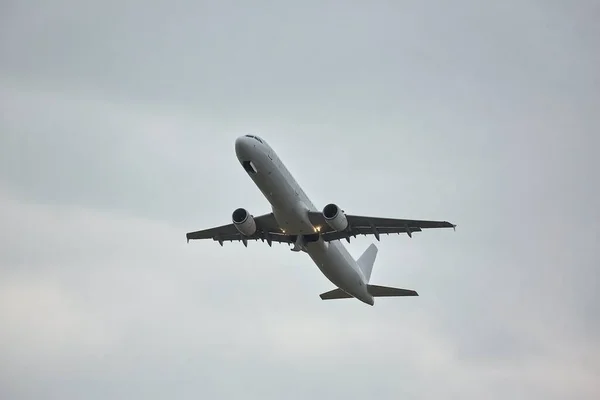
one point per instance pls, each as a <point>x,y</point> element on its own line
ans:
<point>266,229</point>
<point>212,233</point>
<point>356,220</point>
<point>361,225</point>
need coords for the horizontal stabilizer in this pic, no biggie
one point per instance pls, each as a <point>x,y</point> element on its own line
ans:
<point>374,290</point>
<point>335,294</point>
<point>385,291</point>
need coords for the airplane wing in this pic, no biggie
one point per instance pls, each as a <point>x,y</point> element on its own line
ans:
<point>266,229</point>
<point>360,225</point>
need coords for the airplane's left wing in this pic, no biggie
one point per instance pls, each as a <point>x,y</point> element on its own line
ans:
<point>266,229</point>
<point>361,225</point>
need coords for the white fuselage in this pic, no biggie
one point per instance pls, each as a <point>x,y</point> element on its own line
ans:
<point>290,207</point>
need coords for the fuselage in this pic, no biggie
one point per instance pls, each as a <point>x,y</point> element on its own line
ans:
<point>290,207</point>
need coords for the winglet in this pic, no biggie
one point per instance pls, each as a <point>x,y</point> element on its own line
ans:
<point>454,227</point>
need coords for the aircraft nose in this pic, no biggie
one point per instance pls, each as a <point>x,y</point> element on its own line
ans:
<point>241,147</point>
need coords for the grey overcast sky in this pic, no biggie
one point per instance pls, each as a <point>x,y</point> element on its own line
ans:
<point>117,126</point>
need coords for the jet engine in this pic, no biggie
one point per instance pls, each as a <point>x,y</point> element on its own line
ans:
<point>244,222</point>
<point>336,219</point>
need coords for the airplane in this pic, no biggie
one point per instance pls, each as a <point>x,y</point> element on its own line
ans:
<point>296,221</point>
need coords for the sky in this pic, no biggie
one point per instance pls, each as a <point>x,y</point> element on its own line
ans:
<point>117,129</point>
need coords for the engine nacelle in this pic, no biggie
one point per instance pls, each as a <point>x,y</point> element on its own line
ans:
<point>244,222</point>
<point>335,217</point>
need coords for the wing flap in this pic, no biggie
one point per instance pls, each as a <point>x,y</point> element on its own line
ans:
<point>361,230</point>
<point>273,237</point>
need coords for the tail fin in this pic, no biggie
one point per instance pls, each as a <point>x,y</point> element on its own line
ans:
<point>366,261</point>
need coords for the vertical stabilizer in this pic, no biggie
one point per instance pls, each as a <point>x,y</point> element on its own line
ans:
<point>366,261</point>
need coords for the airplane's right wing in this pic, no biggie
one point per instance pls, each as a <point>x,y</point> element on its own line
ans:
<point>361,225</point>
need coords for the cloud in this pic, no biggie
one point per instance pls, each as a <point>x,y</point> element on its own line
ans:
<point>136,301</point>
<point>118,121</point>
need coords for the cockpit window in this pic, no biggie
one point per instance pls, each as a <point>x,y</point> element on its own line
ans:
<point>254,137</point>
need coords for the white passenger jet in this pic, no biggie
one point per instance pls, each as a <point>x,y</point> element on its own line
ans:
<point>296,221</point>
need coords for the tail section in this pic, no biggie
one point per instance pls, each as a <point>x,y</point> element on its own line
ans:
<point>366,261</point>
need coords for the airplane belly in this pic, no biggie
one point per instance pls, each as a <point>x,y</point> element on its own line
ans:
<point>334,266</point>
<point>290,212</point>
<point>294,219</point>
